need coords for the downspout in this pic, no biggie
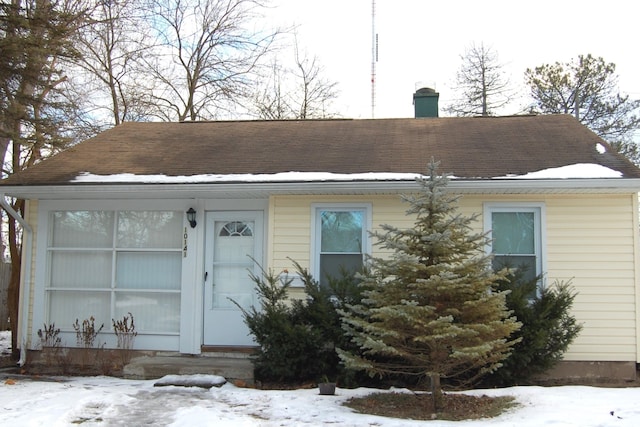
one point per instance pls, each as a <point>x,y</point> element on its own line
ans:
<point>27,241</point>
<point>636,259</point>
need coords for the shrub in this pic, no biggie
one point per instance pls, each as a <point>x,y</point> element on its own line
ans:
<point>86,335</point>
<point>51,343</point>
<point>548,328</point>
<point>321,312</point>
<point>49,336</point>
<point>297,339</point>
<point>125,331</point>
<point>285,346</point>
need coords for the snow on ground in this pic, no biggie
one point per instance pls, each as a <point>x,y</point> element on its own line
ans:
<point>5,343</point>
<point>106,401</point>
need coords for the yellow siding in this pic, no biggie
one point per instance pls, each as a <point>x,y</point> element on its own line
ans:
<point>291,236</point>
<point>590,240</point>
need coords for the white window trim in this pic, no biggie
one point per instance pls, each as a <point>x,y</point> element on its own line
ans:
<point>314,256</point>
<point>539,211</point>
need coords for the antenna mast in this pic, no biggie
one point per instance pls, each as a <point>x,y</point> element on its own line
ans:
<point>374,57</point>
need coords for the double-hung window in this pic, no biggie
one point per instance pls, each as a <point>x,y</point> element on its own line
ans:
<point>108,263</point>
<point>515,232</point>
<point>341,240</point>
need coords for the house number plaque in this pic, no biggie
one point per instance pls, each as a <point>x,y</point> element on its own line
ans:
<point>184,245</point>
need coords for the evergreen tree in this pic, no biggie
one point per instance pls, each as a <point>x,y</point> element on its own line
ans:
<point>285,346</point>
<point>428,309</point>
<point>588,89</point>
<point>297,338</point>
<point>36,110</point>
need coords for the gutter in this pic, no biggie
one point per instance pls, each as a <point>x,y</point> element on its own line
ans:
<point>234,190</point>
<point>24,278</point>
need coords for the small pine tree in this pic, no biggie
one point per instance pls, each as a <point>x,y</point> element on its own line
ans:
<point>297,339</point>
<point>548,328</point>
<point>428,310</point>
<point>287,347</point>
<point>320,312</point>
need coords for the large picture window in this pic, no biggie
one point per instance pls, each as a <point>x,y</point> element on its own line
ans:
<point>341,240</point>
<point>516,237</point>
<point>109,263</point>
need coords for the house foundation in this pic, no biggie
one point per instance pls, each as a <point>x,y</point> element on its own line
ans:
<point>571,372</point>
<point>235,368</point>
<point>138,364</point>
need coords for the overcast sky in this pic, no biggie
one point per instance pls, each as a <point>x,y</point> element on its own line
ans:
<point>420,43</point>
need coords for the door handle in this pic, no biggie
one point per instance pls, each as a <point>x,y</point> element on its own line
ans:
<point>206,274</point>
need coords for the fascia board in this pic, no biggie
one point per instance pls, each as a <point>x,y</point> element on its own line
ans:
<point>253,189</point>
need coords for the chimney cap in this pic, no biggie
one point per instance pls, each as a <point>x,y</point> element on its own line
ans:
<point>426,91</point>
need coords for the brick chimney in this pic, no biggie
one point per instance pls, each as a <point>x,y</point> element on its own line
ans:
<point>425,102</point>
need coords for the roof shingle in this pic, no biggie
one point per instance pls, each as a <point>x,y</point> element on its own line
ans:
<point>469,148</point>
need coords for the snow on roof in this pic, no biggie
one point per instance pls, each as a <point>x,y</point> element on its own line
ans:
<point>276,177</point>
<point>580,170</point>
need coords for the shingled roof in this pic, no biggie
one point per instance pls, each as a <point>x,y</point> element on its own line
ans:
<point>469,148</point>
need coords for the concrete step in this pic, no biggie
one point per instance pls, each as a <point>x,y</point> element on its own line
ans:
<point>234,369</point>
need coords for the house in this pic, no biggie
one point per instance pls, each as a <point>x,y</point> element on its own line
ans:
<point>157,220</point>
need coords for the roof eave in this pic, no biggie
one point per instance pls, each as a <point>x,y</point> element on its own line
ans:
<point>264,189</point>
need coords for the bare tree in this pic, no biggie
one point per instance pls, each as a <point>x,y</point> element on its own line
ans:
<point>112,47</point>
<point>316,92</point>
<point>300,92</point>
<point>482,84</point>
<point>204,56</point>
<point>271,102</point>
<point>36,37</point>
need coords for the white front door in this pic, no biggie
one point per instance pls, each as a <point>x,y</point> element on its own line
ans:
<point>233,242</point>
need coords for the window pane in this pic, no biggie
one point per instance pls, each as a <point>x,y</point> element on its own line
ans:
<point>82,229</point>
<point>148,270</point>
<point>236,228</point>
<point>526,264</point>
<point>75,269</point>
<point>152,312</point>
<point>88,269</point>
<point>341,231</point>
<point>232,282</point>
<point>65,307</point>
<point>149,229</point>
<point>234,249</point>
<point>333,266</point>
<point>513,232</point>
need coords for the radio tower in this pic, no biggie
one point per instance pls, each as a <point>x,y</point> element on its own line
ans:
<point>374,58</point>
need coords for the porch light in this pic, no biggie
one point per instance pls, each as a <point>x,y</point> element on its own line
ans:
<point>191,217</point>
